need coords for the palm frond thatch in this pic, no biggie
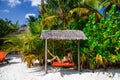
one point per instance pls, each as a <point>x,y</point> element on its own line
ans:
<point>63,34</point>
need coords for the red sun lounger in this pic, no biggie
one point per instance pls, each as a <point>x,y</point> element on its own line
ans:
<point>2,57</point>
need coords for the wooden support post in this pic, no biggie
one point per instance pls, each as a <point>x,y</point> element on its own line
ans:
<point>78,56</point>
<point>46,56</point>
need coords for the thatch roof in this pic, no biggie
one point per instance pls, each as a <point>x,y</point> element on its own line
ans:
<point>22,29</point>
<point>63,35</point>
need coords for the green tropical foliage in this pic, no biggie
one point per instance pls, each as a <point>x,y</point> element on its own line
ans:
<point>6,27</point>
<point>102,48</point>
<point>60,12</point>
<point>103,38</point>
<point>27,43</point>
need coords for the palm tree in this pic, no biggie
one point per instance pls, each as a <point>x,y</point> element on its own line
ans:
<point>42,11</point>
<point>28,45</point>
<point>57,9</point>
<point>60,12</point>
<point>6,27</point>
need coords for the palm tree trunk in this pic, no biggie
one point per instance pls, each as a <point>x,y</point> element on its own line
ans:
<point>42,11</point>
<point>62,14</point>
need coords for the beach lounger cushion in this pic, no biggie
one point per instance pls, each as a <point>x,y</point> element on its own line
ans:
<point>67,64</point>
<point>2,56</point>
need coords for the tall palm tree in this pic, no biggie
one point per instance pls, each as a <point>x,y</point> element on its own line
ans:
<point>58,8</point>
<point>60,12</point>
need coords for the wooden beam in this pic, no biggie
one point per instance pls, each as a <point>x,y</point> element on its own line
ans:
<point>46,56</point>
<point>78,55</point>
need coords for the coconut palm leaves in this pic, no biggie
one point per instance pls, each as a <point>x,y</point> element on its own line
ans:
<point>25,43</point>
<point>85,12</point>
<point>28,45</point>
<point>61,12</point>
<point>13,43</point>
<point>94,4</point>
<point>50,20</point>
<point>58,11</point>
<point>106,3</point>
<point>6,27</point>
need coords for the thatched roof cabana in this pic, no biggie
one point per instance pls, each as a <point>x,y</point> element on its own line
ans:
<point>62,35</point>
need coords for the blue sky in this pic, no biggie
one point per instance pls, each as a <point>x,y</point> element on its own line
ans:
<point>18,10</point>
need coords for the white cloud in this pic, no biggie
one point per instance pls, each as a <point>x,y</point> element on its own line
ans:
<point>34,2</point>
<point>6,11</point>
<point>13,3</point>
<point>29,14</point>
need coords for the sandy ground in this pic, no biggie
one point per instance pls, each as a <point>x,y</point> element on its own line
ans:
<point>17,70</point>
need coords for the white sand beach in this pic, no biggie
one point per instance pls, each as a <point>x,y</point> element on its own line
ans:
<point>17,70</point>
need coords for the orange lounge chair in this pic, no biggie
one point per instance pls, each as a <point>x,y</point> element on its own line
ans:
<point>65,64</point>
<point>2,57</point>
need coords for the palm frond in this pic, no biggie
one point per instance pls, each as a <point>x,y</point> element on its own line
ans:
<point>80,11</point>
<point>50,20</point>
<point>106,3</point>
<point>85,12</point>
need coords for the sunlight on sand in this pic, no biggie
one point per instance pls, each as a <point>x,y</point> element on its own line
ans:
<point>17,70</point>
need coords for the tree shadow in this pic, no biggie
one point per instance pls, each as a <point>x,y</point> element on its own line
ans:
<point>3,64</point>
<point>110,73</point>
<point>9,60</point>
<point>64,72</point>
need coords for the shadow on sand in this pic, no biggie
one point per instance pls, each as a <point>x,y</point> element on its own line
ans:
<point>10,57</point>
<point>111,72</point>
<point>6,64</point>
